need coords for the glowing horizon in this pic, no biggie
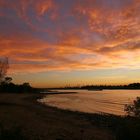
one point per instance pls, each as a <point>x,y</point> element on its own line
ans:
<point>60,42</point>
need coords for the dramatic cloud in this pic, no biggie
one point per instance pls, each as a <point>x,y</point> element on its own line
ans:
<point>45,35</point>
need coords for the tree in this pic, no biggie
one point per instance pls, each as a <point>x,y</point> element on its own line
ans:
<point>4,65</point>
<point>7,80</point>
<point>133,109</point>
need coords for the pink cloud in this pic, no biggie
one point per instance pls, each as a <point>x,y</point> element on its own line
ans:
<point>106,37</point>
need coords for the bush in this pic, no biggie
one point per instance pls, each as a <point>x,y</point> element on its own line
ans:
<point>133,109</point>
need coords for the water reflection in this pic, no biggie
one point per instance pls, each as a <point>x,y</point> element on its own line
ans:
<point>107,101</point>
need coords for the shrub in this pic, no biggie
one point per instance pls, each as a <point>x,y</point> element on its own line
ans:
<point>134,108</point>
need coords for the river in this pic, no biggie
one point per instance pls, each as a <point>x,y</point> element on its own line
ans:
<point>105,101</point>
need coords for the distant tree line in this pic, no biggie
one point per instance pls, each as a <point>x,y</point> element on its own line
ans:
<point>129,86</point>
<point>101,87</point>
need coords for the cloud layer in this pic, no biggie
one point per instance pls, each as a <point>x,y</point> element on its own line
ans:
<point>45,35</point>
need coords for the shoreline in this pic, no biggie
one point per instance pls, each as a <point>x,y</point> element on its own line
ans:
<point>41,122</point>
<point>38,121</point>
<point>70,110</point>
<point>120,113</point>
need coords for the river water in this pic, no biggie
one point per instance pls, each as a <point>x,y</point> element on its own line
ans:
<point>106,101</point>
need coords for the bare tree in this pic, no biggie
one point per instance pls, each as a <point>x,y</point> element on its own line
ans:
<point>4,65</point>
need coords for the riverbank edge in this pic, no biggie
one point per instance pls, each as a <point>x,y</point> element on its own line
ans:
<point>119,126</point>
<point>122,127</point>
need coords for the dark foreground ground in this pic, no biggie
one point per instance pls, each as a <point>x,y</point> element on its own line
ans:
<point>23,118</point>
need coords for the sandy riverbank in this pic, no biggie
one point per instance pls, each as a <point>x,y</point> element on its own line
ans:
<point>37,121</point>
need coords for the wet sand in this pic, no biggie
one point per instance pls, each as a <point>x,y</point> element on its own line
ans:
<point>41,122</point>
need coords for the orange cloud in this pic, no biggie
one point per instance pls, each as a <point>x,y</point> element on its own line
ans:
<point>90,36</point>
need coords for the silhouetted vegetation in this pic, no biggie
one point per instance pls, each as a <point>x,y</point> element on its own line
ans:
<point>4,65</point>
<point>133,109</point>
<point>6,85</point>
<point>129,126</point>
<point>123,127</point>
<point>101,87</point>
<point>13,88</point>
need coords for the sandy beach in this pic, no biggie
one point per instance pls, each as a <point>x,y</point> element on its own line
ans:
<point>40,122</point>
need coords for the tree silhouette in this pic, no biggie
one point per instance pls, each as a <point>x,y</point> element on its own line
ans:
<point>4,65</point>
<point>133,109</point>
<point>7,80</point>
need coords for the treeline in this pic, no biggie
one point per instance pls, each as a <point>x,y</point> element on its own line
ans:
<point>14,88</point>
<point>6,84</point>
<point>101,87</point>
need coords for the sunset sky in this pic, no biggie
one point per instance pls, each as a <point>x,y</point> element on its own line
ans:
<point>52,43</point>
